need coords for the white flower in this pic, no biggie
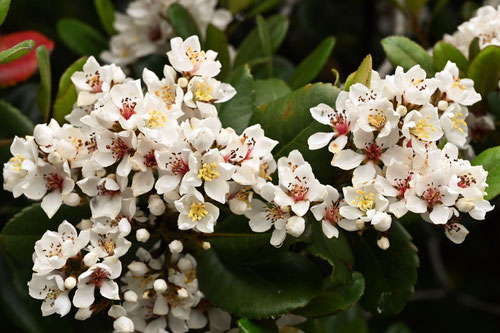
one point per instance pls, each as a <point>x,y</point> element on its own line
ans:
<point>106,194</point>
<point>202,92</point>
<point>109,244</point>
<point>328,212</point>
<point>113,147</point>
<point>378,116</point>
<point>455,232</point>
<point>165,89</point>
<point>100,275</point>
<point>454,125</point>
<point>144,160</point>
<point>195,213</point>
<point>159,121</point>
<point>455,89</point>
<point>239,198</point>
<point>411,87</point>
<point>201,133</point>
<point>173,164</point>
<point>51,289</point>
<point>21,167</point>
<point>421,126</point>
<point>187,56</point>
<point>128,102</point>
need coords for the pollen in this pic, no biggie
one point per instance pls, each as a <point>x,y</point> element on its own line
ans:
<point>195,57</point>
<point>377,119</point>
<point>364,201</point>
<point>423,129</point>
<point>156,119</point>
<point>203,93</point>
<point>17,161</point>
<point>166,93</point>
<point>208,172</point>
<point>457,84</point>
<point>197,211</point>
<point>459,122</point>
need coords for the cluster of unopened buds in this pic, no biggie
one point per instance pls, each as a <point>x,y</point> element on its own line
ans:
<point>401,137</point>
<point>144,29</point>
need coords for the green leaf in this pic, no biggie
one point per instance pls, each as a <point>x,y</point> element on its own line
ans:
<point>25,228</point>
<point>398,327</point>
<point>362,75</point>
<point>236,112</point>
<point>106,12</point>
<point>494,102</point>
<point>265,42</point>
<point>269,90</point>
<point>16,51</point>
<point>216,40</point>
<point>334,250</point>
<point>390,275</point>
<point>247,326</point>
<point>282,69</point>
<point>444,52</point>
<point>334,298</point>
<point>262,7</point>
<point>490,160</point>
<point>485,70</point>
<point>474,48</point>
<point>311,66</point>
<point>13,121</point>
<point>80,37</point>
<point>415,5</point>
<point>43,97</point>
<point>272,287</point>
<point>350,321</point>
<point>250,47</point>
<point>289,121</point>
<point>66,95</point>
<point>403,52</point>
<point>4,8</point>
<point>336,75</point>
<point>183,23</point>
<point>236,6</point>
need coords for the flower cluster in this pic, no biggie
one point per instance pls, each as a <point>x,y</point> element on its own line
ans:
<point>145,30</point>
<point>390,134</point>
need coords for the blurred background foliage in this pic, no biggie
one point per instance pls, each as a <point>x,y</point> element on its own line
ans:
<point>457,288</point>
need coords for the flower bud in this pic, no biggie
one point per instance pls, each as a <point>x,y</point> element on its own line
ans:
<point>100,173</point>
<point>402,110</point>
<point>142,235</point>
<point>442,105</point>
<point>175,246</point>
<point>130,296</point>
<point>295,226</point>
<point>85,224</point>
<point>184,264</point>
<point>182,82</point>
<point>124,227</point>
<point>156,205</point>
<point>381,221</point>
<point>71,199</point>
<point>70,282</point>
<point>160,286</point>
<point>90,259</point>
<point>54,157</point>
<point>182,293</point>
<point>383,243</point>
<point>123,325</point>
<point>138,268</point>
<point>206,246</point>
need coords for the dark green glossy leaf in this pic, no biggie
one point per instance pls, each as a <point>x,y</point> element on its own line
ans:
<point>349,321</point>
<point>362,75</point>
<point>247,326</point>
<point>334,298</point>
<point>13,121</point>
<point>289,121</point>
<point>444,52</point>
<point>183,23</point>
<point>490,160</point>
<point>262,7</point>
<point>485,70</point>
<point>236,112</point>
<point>17,51</point>
<point>265,43</point>
<point>282,69</point>
<point>269,90</point>
<point>236,6</point>
<point>66,95</point>
<point>106,12</point>
<point>4,8</point>
<point>25,228</point>
<point>398,328</point>
<point>311,66</point>
<point>390,275</point>
<point>80,37</point>
<point>272,287</point>
<point>43,97</point>
<point>216,40</point>
<point>404,52</point>
<point>474,48</point>
<point>250,47</point>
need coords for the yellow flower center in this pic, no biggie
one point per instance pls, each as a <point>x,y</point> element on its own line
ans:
<point>156,119</point>
<point>457,84</point>
<point>423,129</point>
<point>364,201</point>
<point>377,119</point>
<point>208,172</point>
<point>203,93</point>
<point>17,160</point>
<point>459,122</point>
<point>264,171</point>
<point>195,57</point>
<point>166,93</point>
<point>197,211</point>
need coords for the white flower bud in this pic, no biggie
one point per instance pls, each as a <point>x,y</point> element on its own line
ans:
<point>182,82</point>
<point>138,268</point>
<point>381,221</point>
<point>54,158</point>
<point>70,283</point>
<point>142,235</point>
<point>295,226</point>
<point>160,286</point>
<point>90,259</point>
<point>123,325</point>
<point>100,173</point>
<point>124,227</point>
<point>182,293</point>
<point>442,105</point>
<point>402,110</point>
<point>156,205</point>
<point>175,246</point>
<point>130,296</point>
<point>71,199</point>
<point>360,224</point>
<point>383,243</point>
<point>184,264</point>
<point>85,224</point>
<point>206,246</point>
